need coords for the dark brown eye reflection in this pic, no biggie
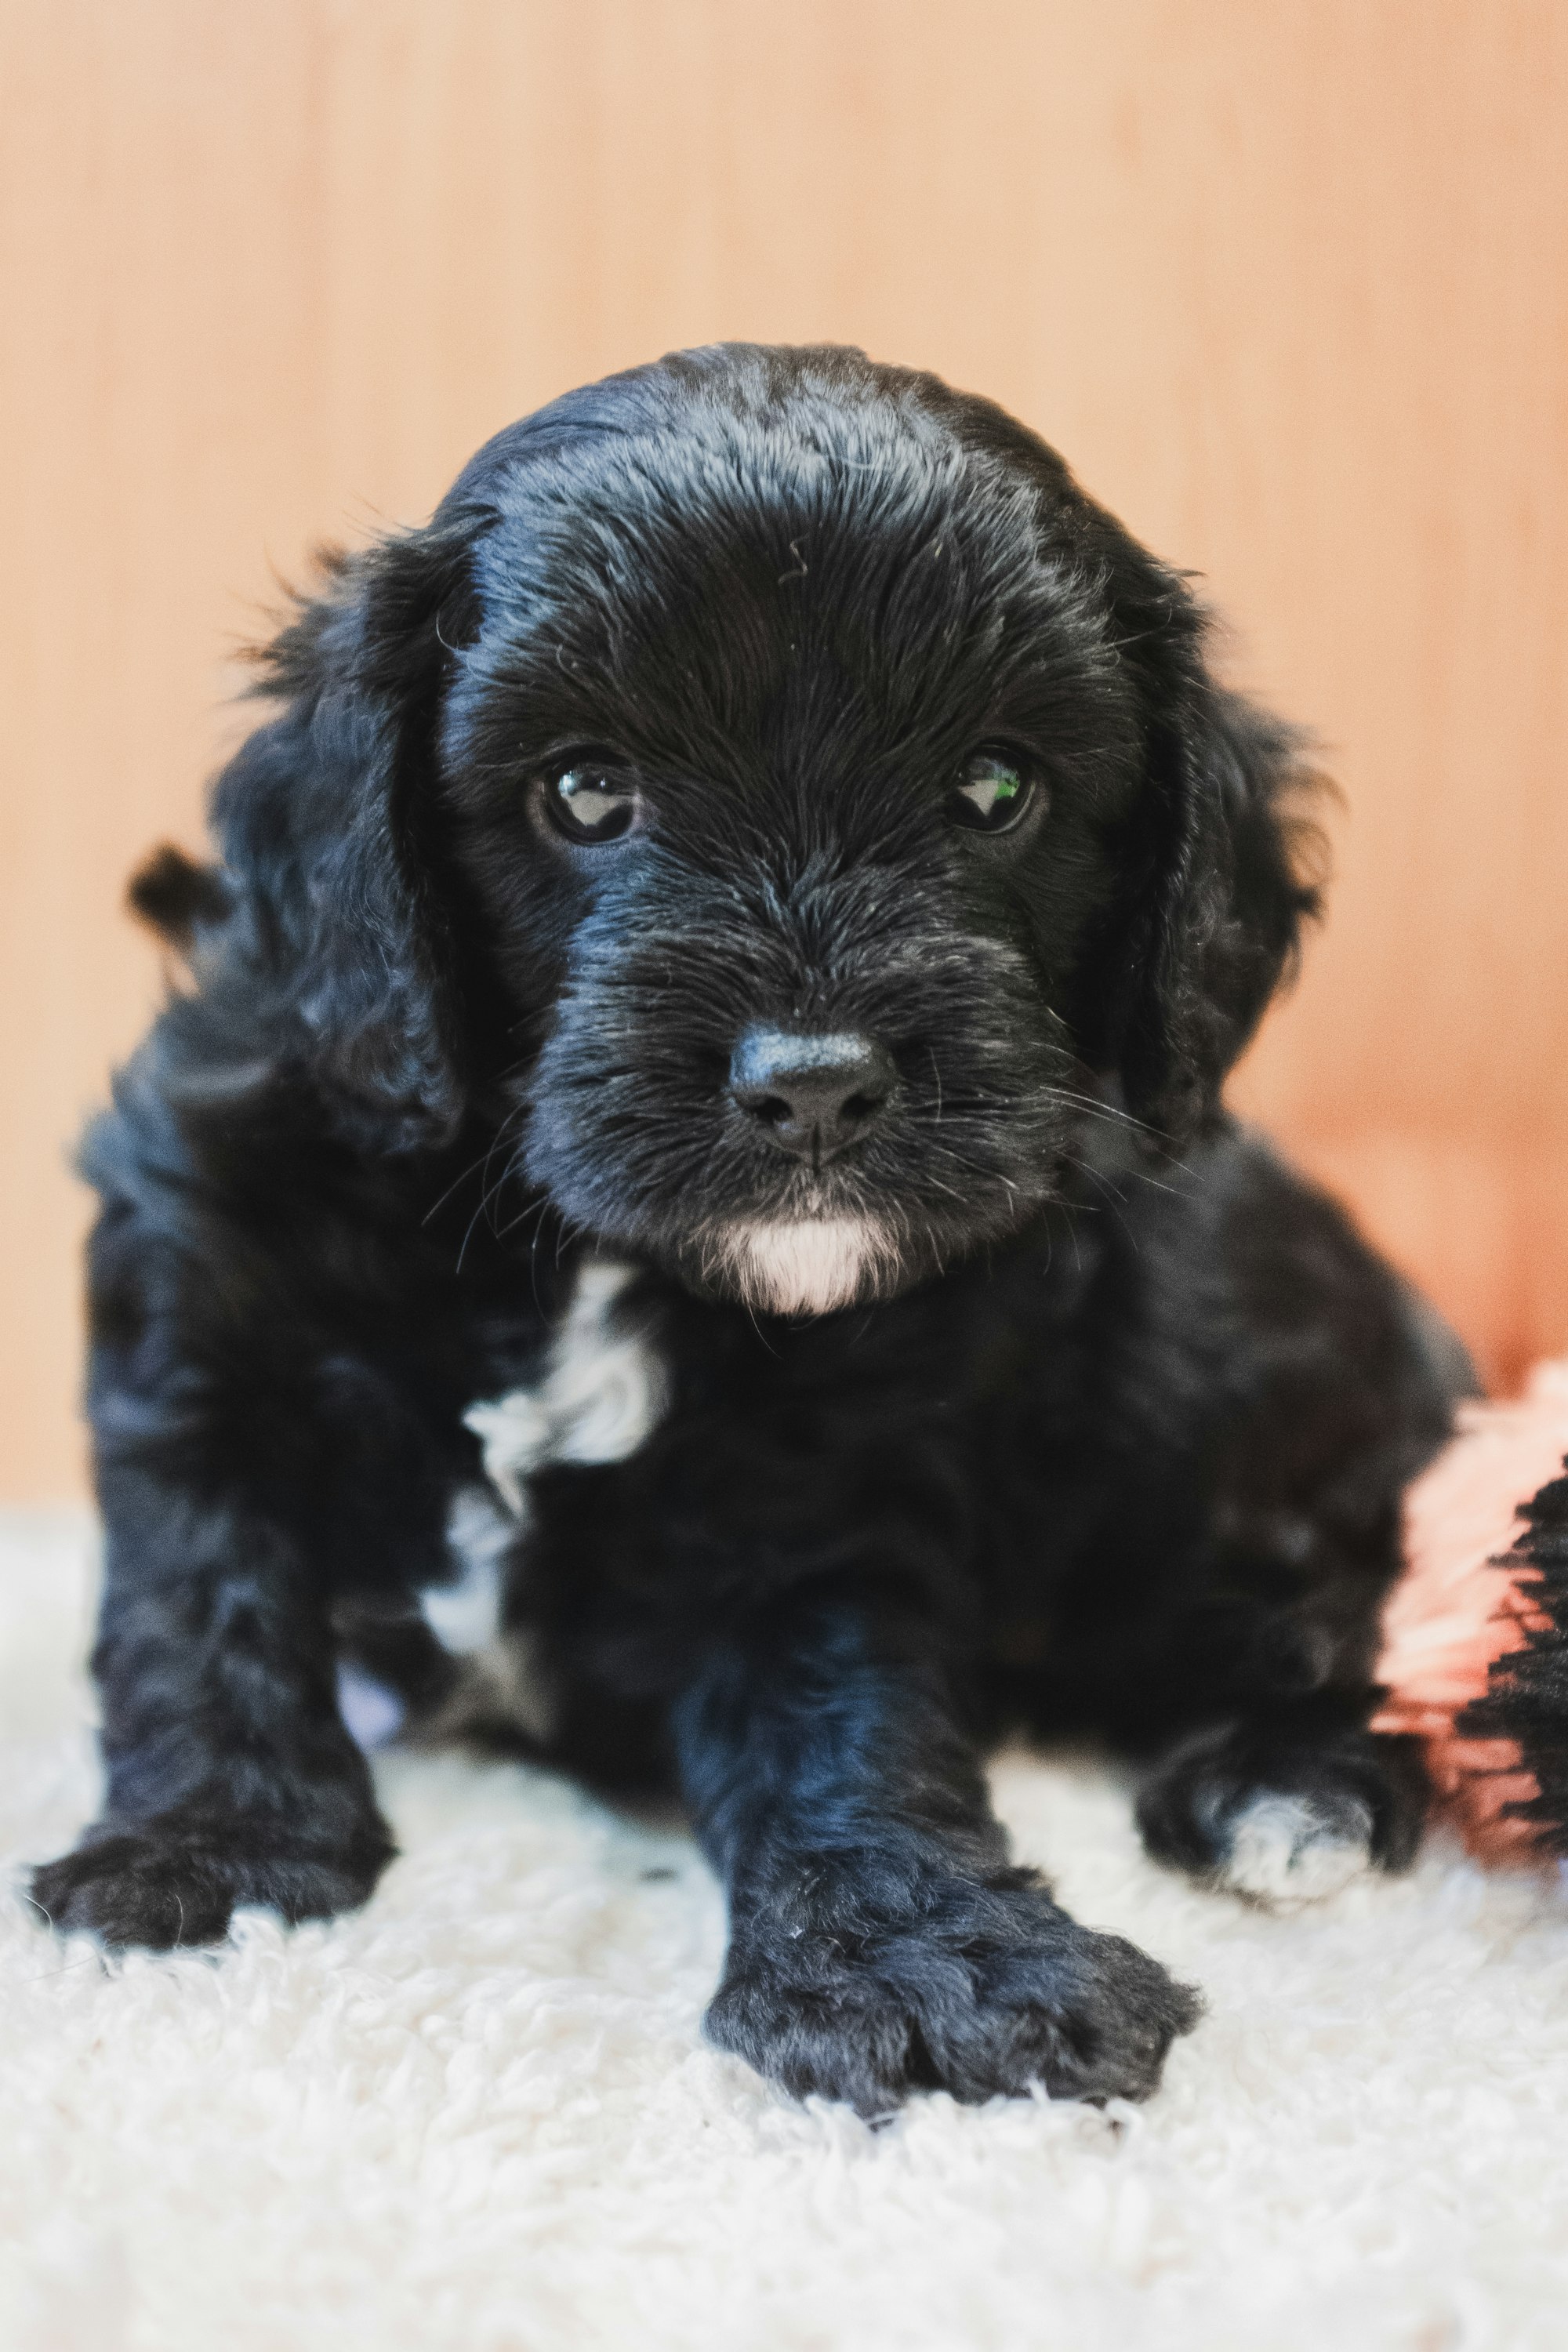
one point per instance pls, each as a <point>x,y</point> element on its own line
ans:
<point>591,803</point>
<point>993,791</point>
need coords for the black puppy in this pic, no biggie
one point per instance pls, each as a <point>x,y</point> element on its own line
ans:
<point>686,1222</point>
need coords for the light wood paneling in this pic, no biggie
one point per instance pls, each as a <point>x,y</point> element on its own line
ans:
<point>1286,284</point>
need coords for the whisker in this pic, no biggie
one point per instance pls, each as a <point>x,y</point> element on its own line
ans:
<point>486,1156</point>
<point>1115,1201</point>
<point>538,1210</point>
<point>490,1193</point>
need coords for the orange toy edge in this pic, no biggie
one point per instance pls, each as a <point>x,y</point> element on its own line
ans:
<point>1463,1602</point>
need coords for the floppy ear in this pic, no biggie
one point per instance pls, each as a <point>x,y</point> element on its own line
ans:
<point>326,820</point>
<point>1230,889</point>
<point>1222,868</point>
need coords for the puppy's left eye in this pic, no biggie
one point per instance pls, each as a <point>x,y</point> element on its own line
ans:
<point>590,804</point>
<point>992,794</point>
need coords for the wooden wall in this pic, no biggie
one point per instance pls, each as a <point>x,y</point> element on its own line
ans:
<point>1285,280</point>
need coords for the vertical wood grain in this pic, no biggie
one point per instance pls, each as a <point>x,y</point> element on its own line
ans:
<point>1287,284</point>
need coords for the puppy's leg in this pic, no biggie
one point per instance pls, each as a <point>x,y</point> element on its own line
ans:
<point>880,1940</point>
<point>230,1777</point>
<point>1286,1805</point>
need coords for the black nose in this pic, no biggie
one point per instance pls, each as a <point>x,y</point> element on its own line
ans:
<point>814,1094</point>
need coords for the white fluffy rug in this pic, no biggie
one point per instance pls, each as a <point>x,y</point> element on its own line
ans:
<point>478,2117</point>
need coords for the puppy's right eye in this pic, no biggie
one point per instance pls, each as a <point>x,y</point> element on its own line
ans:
<point>590,804</point>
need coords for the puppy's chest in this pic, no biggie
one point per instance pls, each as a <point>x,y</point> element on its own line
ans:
<point>762,1449</point>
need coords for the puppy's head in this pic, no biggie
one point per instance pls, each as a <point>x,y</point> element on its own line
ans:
<point>789,803</point>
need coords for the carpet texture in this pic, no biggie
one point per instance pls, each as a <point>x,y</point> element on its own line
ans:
<point>479,2115</point>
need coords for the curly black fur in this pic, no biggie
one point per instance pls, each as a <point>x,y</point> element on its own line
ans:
<point>1109,1432</point>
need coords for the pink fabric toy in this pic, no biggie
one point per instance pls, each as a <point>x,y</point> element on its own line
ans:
<point>1475,1656</point>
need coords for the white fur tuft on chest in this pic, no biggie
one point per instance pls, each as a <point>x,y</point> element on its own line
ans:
<point>602,1395</point>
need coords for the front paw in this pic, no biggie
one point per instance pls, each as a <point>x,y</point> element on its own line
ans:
<point>978,1988</point>
<point>162,1882</point>
<point>1283,1822</point>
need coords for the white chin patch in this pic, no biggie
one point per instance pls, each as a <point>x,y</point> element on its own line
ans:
<point>1284,1852</point>
<point>805,1266</point>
